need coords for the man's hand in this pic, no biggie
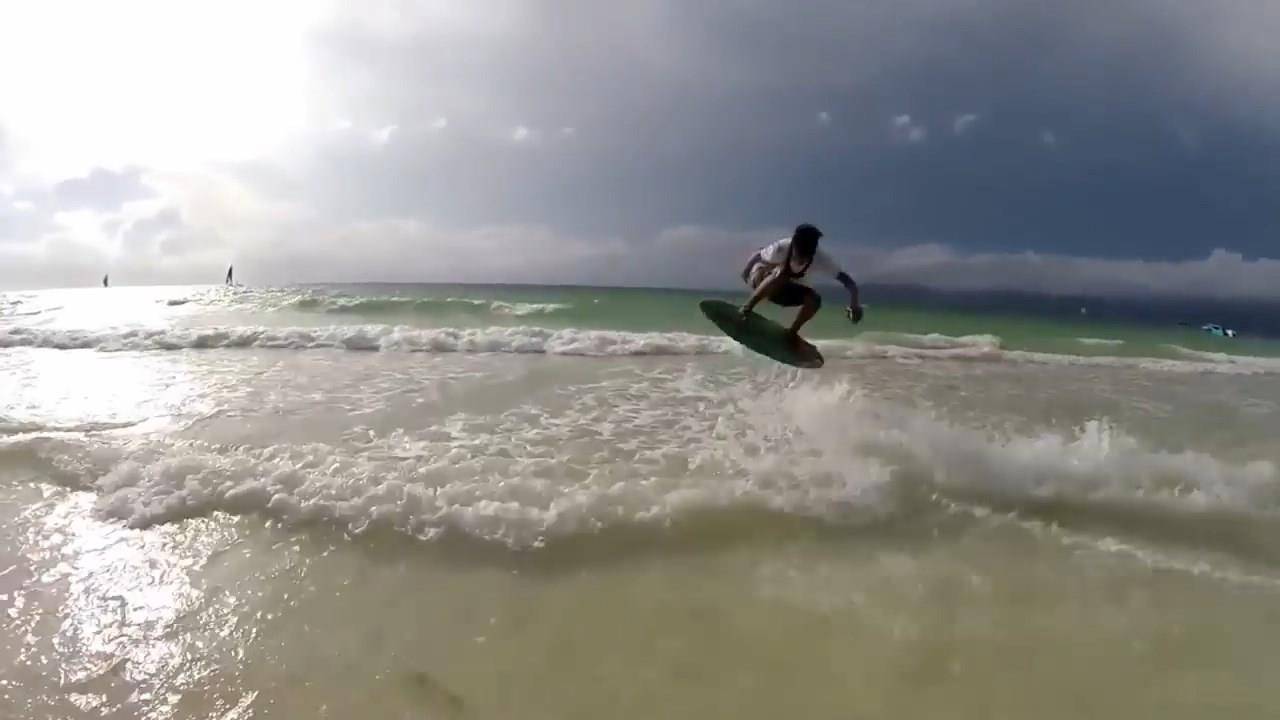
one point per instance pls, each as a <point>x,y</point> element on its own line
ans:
<point>854,311</point>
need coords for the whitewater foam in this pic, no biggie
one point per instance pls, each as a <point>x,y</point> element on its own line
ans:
<point>427,306</point>
<point>933,341</point>
<point>650,452</point>
<point>372,337</point>
<point>1099,341</point>
<point>598,343</point>
<point>1245,362</point>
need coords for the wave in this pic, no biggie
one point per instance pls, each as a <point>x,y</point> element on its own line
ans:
<point>1099,341</point>
<point>376,338</point>
<point>525,478</point>
<point>1261,364</point>
<point>932,341</point>
<point>25,305</point>
<point>572,341</point>
<point>24,427</point>
<point>429,306</point>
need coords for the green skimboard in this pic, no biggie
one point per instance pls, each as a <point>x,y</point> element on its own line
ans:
<point>761,334</point>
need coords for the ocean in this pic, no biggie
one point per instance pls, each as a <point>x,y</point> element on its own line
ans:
<point>413,501</point>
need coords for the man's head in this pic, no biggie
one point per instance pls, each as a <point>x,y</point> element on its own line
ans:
<point>805,240</point>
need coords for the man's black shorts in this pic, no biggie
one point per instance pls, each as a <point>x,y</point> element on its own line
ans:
<point>791,294</point>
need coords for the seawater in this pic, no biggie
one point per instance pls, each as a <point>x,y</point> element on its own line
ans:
<point>489,502</point>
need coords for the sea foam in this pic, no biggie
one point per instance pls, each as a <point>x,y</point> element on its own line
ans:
<point>621,457</point>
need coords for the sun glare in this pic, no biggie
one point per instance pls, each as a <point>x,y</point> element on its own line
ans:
<point>150,82</point>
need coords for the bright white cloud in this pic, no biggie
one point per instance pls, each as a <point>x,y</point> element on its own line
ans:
<point>824,118</point>
<point>23,205</point>
<point>376,249</point>
<point>102,189</point>
<point>520,133</point>
<point>383,135</point>
<point>964,123</point>
<point>568,131</point>
<point>904,130</point>
<point>440,123</point>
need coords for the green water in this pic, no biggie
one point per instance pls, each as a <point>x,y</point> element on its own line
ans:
<point>647,310</point>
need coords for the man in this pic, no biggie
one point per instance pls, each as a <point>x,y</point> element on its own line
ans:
<point>774,270</point>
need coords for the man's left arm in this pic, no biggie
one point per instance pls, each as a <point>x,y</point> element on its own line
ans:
<point>854,310</point>
<point>850,285</point>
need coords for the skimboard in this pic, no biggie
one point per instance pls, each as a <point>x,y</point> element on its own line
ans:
<point>760,334</point>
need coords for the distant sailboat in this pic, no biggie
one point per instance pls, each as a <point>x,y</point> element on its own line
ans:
<point>105,281</point>
<point>230,279</point>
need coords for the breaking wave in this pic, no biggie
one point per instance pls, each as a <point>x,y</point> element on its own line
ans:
<point>424,306</point>
<point>620,457</point>
<point>573,341</point>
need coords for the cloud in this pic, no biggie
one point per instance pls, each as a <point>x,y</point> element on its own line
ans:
<point>511,253</point>
<point>964,123</point>
<point>904,130</point>
<point>383,135</point>
<point>166,233</point>
<point>568,132</point>
<point>101,189</point>
<point>699,256</point>
<point>1222,274</point>
<point>688,117</point>
<point>165,245</point>
<point>21,221</point>
<point>1048,138</point>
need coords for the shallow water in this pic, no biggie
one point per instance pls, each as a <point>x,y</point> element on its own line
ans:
<point>247,530</point>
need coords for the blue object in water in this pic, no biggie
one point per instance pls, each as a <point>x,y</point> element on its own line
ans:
<point>1216,329</point>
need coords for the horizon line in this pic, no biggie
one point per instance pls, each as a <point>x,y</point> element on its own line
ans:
<point>915,288</point>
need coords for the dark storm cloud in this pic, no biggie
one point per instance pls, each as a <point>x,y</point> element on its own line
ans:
<point>1157,115</point>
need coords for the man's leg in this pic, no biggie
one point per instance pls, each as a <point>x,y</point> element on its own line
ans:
<point>808,308</point>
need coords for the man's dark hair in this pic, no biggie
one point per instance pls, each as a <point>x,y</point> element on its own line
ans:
<point>805,239</point>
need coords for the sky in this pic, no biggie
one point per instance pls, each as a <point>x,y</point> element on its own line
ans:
<point>1112,147</point>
